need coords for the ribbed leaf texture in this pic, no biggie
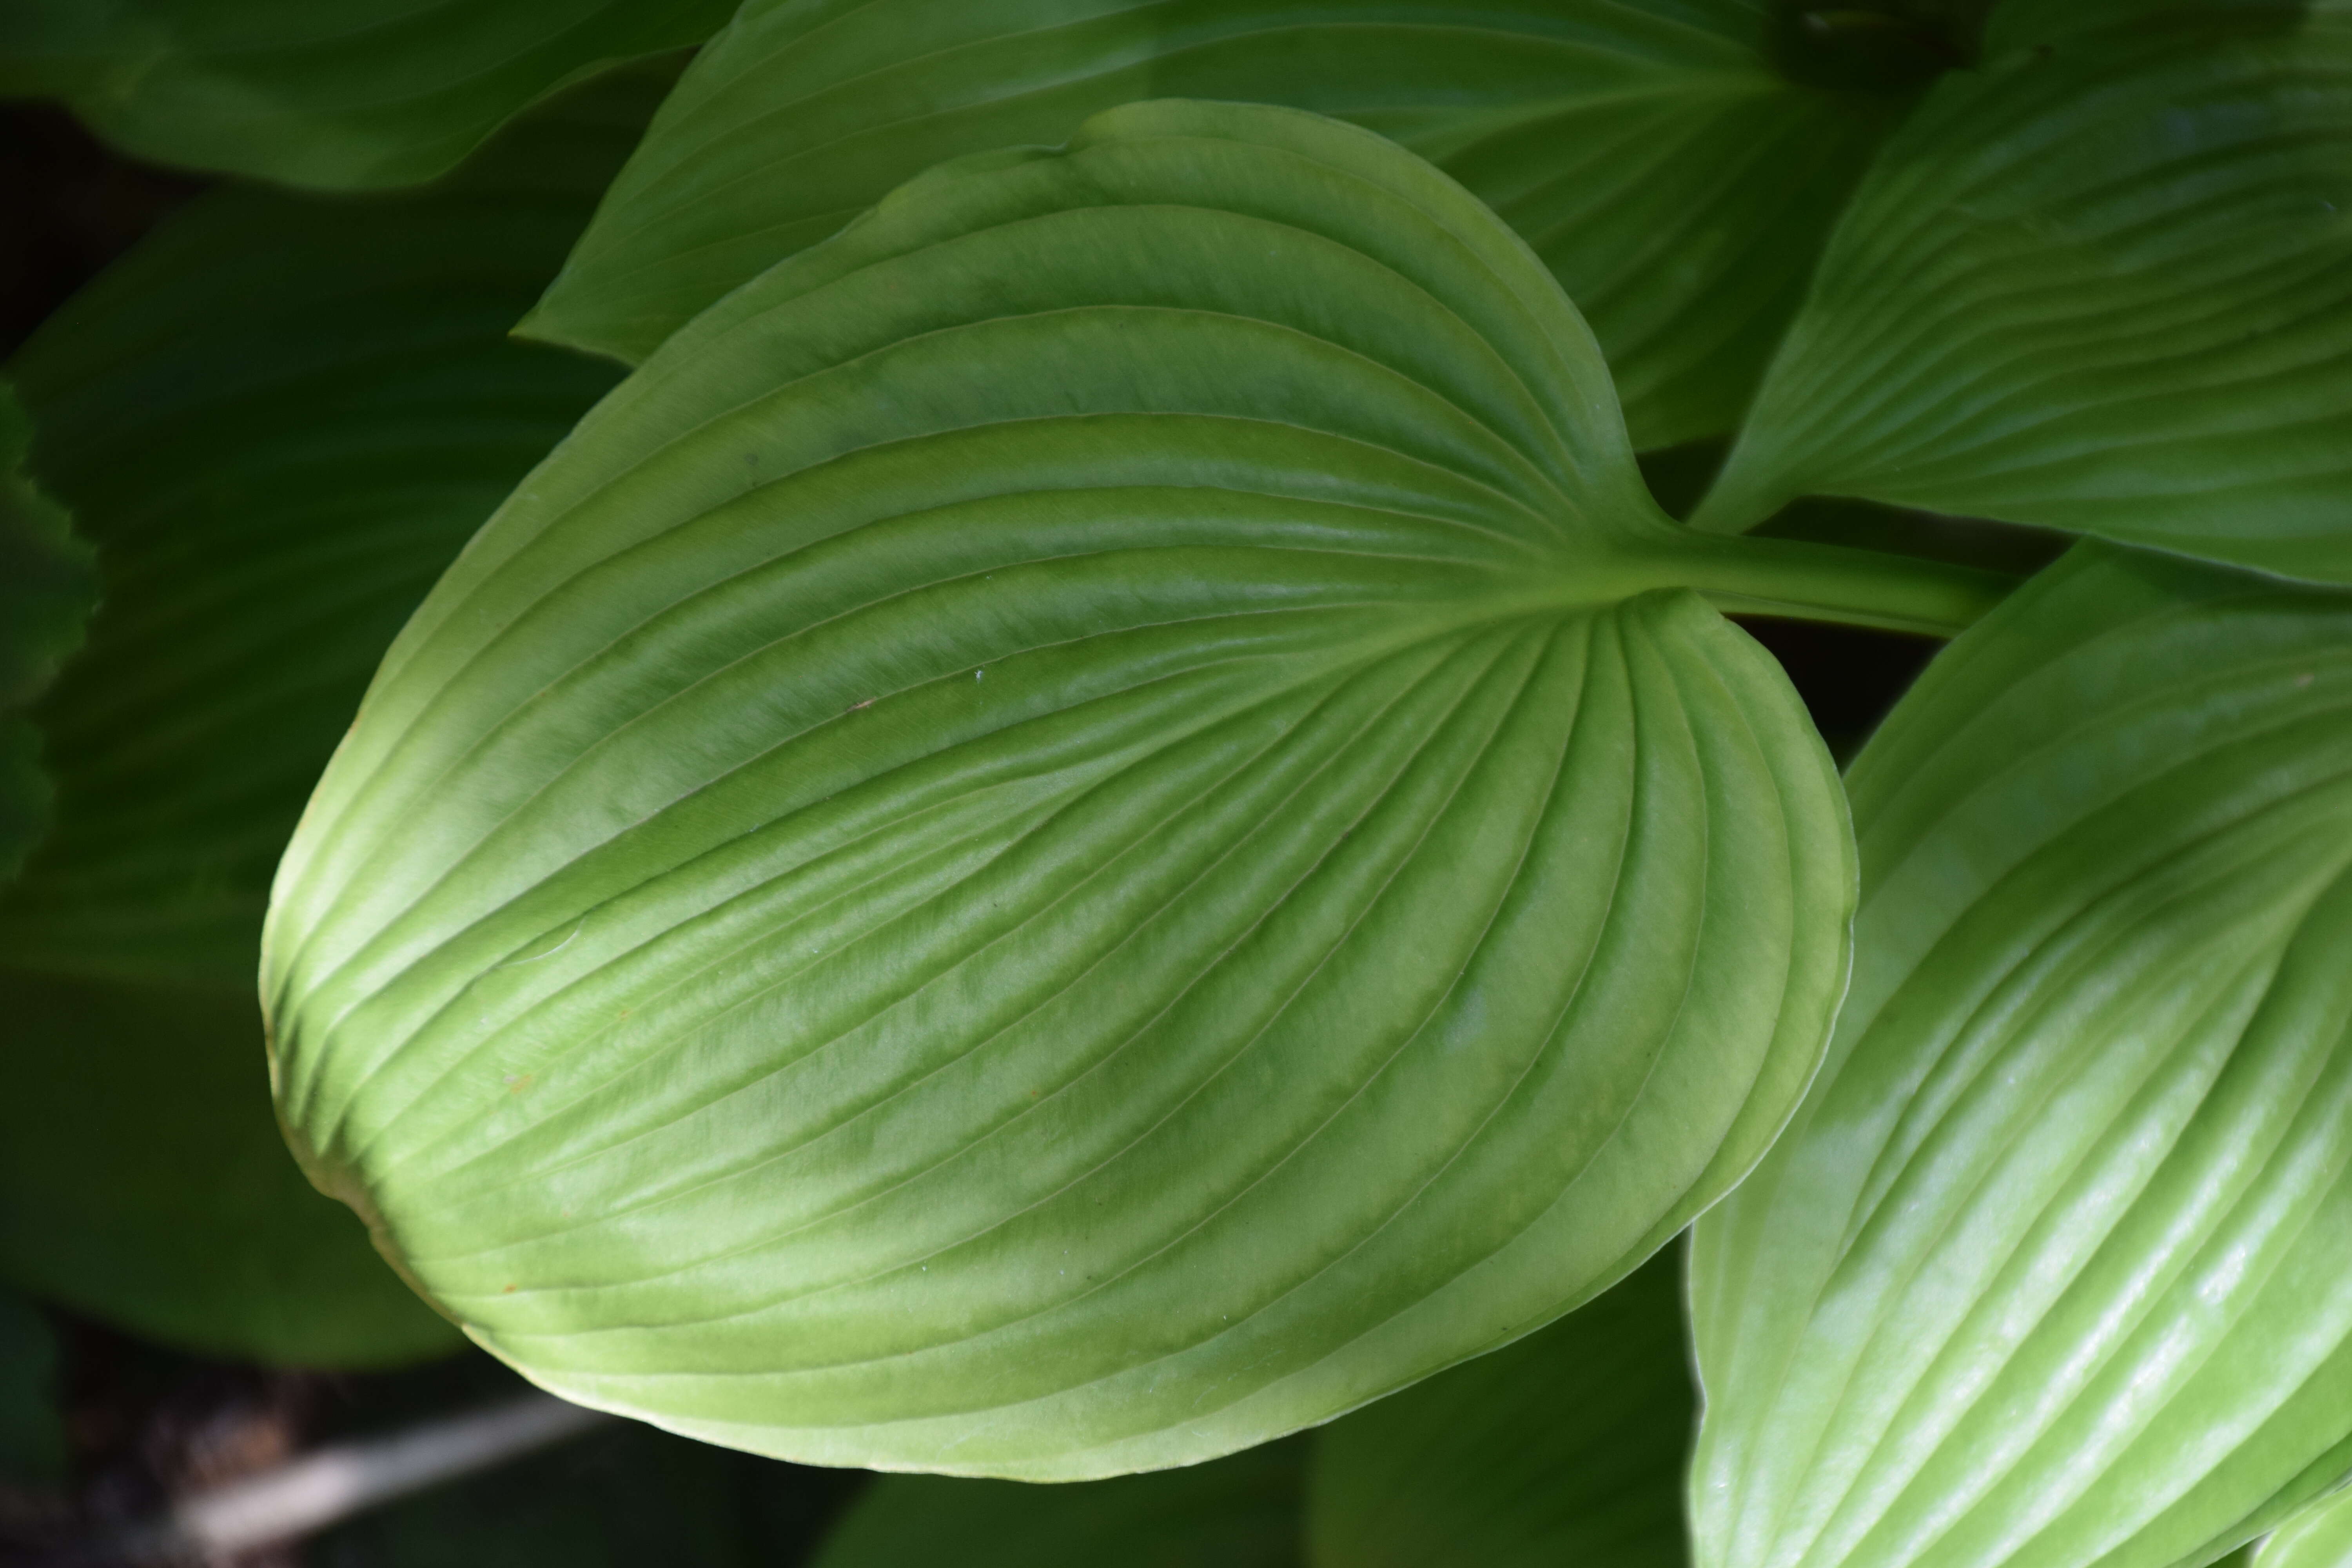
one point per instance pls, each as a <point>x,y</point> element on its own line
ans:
<point>1083,829</point>
<point>1676,183</point>
<point>1240,1512</point>
<point>48,584</point>
<point>280,418</point>
<point>1567,1447</point>
<point>2104,285</point>
<point>353,95</point>
<point>2048,1272</point>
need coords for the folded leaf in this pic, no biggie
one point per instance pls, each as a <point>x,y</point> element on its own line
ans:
<point>47,586</point>
<point>278,418</point>
<point>1567,1447</point>
<point>355,95</point>
<point>1240,1512</point>
<point>1084,827</point>
<point>1673,178</point>
<point>2104,285</point>
<point>2048,1270</point>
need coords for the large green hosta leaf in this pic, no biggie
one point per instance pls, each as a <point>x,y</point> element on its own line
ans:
<point>1081,828</point>
<point>346,95</point>
<point>47,586</point>
<point>2104,285</point>
<point>2049,1269</point>
<point>278,419</point>
<point>1675,180</point>
<point>1240,1512</point>
<point>1566,1448</point>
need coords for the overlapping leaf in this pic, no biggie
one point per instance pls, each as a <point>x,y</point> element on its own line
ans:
<point>2049,1269</point>
<point>357,94</point>
<point>278,419</point>
<point>1240,1512</point>
<point>47,586</point>
<point>2104,285</point>
<point>2318,1537</point>
<point>1084,827</point>
<point>1675,180</point>
<point>1569,1447</point>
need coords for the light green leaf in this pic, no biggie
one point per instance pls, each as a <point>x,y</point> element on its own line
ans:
<point>359,94</point>
<point>1242,1511</point>
<point>278,419</point>
<point>2048,1270</point>
<point>1084,827</point>
<point>2318,1537</point>
<point>2104,285</point>
<point>46,587</point>
<point>1566,1448</point>
<point>1677,183</point>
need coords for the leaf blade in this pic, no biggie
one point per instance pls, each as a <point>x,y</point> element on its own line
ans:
<point>993,752</point>
<point>1602,132</point>
<point>2087,1060</point>
<point>382,93</point>
<point>2098,286</point>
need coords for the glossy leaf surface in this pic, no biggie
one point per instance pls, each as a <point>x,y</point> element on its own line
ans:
<point>1081,829</point>
<point>2104,285</point>
<point>353,95</point>
<point>47,586</point>
<point>1679,185</point>
<point>278,418</point>
<point>2048,1269</point>
<point>1240,1512</point>
<point>1567,1447</point>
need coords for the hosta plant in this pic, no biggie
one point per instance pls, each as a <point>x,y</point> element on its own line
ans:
<point>1033,787</point>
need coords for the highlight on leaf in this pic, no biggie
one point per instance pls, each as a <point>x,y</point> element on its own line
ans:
<point>1085,826</point>
<point>2047,1269</point>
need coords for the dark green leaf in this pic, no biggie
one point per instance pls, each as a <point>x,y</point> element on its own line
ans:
<point>47,586</point>
<point>2104,285</point>
<point>1677,184</point>
<point>32,1437</point>
<point>142,1179</point>
<point>350,95</point>
<point>2048,1270</point>
<point>278,419</point>
<point>1566,1448</point>
<point>1084,827</point>
<point>1242,1511</point>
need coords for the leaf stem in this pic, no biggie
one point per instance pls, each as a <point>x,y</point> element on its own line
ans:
<point>1748,575</point>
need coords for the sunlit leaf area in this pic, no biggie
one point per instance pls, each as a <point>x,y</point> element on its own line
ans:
<point>1176,783</point>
